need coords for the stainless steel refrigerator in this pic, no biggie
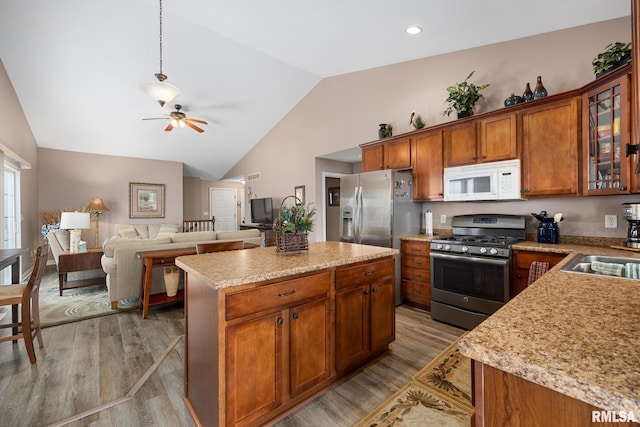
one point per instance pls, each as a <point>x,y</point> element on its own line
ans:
<point>376,208</point>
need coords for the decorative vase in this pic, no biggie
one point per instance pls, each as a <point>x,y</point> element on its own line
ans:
<point>528,93</point>
<point>512,100</point>
<point>539,91</point>
<point>171,280</point>
<point>382,132</point>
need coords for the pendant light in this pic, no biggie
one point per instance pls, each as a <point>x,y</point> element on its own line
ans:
<point>161,91</point>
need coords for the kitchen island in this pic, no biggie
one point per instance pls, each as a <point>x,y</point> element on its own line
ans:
<point>566,346</point>
<point>266,332</point>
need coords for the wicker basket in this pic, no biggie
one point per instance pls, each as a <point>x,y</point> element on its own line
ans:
<point>290,243</point>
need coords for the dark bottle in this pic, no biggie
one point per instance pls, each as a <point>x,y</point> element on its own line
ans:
<point>539,91</point>
<point>382,132</point>
<point>528,94</point>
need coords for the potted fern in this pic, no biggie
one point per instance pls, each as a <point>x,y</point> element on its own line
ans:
<point>463,96</point>
<point>615,55</point>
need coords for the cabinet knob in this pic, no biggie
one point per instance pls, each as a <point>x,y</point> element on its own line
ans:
<point>374,290</point>
<point>473,158</point>
<point>295,315</point>
<point>623,188</point>
<point>369,273</point>
<point>483,157</point>
<point>286,294</point>
<point>526,190</point>
<point>280,320</point>
<point>366,292</point>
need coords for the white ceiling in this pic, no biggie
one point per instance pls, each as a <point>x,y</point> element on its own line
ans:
<point>77,65</point>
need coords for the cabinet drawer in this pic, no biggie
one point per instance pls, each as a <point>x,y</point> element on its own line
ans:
<point>416,274</point>
<point>415,248</point>
<point>277,295</point>
<point>416,292</point>
<point>364,273</point>
<point>415,261</point>
<point>524,259</point>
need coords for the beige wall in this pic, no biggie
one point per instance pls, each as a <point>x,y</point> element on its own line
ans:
<point>344,111</point>
<point>15,134</point>
<point>69,180</point>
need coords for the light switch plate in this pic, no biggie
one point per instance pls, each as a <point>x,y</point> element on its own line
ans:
<point>611,221</point>
<point>443,219</point>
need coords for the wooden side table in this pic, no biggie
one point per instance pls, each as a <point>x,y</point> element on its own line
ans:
<point>164,258</point>
<point>79,261</point>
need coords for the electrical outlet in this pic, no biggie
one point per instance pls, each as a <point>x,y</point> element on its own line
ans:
<point>443,219</point>
<point>611,221</point>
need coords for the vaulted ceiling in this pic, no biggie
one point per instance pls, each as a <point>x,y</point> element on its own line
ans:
<point>77,65</point>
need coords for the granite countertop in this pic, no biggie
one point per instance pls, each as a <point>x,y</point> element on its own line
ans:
<point>573,333</point>
<point>233,268</point>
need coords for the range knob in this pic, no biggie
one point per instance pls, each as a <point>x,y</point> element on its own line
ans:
<point>493,251</point>
<point>447,247</point>
<point>483,250</point>
<point>439,246</point>
<point>464,249</point>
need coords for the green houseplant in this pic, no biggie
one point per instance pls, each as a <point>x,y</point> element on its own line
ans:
<point>615,55</point>
<point>292,227</point>
<point>463,96</point>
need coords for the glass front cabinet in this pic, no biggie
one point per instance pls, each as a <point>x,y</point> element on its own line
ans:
<point>606,127</point>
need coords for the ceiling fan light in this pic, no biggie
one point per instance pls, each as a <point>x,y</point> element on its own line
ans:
<point>161,92</point>
<point>181,123</point>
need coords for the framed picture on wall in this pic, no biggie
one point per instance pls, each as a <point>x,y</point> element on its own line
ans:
<point>146,200</point>
<point>299,193</point>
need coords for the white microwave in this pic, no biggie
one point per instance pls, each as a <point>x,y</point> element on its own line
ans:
<point>483,181</point>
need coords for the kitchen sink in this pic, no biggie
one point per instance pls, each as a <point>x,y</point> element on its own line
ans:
<point>581,263</point>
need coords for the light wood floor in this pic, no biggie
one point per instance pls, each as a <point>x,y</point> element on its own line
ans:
<point>89,363</point>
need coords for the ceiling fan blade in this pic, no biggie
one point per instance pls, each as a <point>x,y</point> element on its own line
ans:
<point>169,127</point>
<point>198,121</point>
<point>156,118</point>
<point>194,127</point>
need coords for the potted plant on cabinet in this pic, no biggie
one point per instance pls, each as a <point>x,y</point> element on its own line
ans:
<point>615,55</point>
<point>463,96</point>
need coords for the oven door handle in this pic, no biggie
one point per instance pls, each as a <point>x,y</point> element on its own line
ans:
<point>481,260</point>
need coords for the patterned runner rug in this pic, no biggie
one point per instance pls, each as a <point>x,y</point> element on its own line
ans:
<point>74,304</point>
<point>439,395</point>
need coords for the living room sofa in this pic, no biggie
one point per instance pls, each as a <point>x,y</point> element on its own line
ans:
<point>123,267</point>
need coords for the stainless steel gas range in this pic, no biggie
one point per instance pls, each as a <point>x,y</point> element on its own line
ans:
<point>470,268</point>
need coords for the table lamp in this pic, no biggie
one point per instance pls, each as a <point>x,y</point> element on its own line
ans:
<point>75,222</point>
<point>96,207</point>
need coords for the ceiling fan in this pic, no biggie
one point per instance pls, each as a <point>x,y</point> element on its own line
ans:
<point>178,119</point>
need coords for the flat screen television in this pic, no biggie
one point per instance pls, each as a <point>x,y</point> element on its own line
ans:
<point>262,211</point>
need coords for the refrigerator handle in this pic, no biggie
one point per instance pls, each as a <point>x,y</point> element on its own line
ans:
<point>358,219</point>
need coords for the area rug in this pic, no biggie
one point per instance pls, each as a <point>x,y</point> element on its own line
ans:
<point>75,304</point>
<point>438,395</point>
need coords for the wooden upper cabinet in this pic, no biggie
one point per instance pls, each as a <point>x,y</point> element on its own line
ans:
<point>373,158</point>
<point>428,167</point>
<point>498,138</point>
<point>550,142</point>
<point>490,139</point>
<point>460,145</point>
<point>395,154</point>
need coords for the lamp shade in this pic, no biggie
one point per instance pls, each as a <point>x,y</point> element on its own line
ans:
<point>75,220</point>
<point>96,205</point>
<point>161,92</point>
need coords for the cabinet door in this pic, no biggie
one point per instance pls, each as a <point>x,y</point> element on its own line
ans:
<point>254,363</point>
<point>309,344</point>
<point>398,154</point>
<point>522,262</point>
<point>428,167</point>
<point>498,138</point>
<point>352,327</point>
<point>460,145</point>
<point>606,130</point>
<point>383,314</point>
<point>373,158</point>
<point>550,149</point>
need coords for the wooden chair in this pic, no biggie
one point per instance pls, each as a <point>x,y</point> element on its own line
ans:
<point>189,225</point>
<point>203,248</point>
<point>26,296</point>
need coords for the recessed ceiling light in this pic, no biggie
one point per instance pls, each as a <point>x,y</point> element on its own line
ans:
<point>414,30</point>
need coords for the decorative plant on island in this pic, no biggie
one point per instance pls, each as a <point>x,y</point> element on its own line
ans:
<point>463,96</point>
<point>293,226</point>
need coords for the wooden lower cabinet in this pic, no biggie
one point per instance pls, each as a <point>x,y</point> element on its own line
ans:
<point>365,312</point>
<point>504,399</point>
<point>416,274</point>
<point>255,352</point>
<point>521,262</point>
